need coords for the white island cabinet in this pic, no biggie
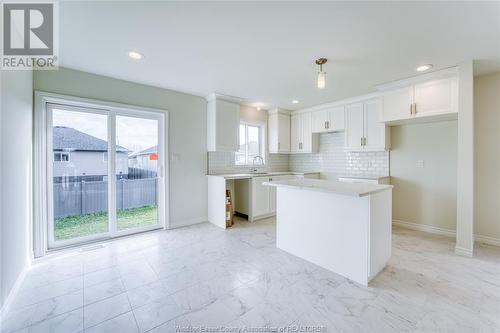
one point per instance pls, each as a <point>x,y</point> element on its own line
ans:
<point>343,227</point>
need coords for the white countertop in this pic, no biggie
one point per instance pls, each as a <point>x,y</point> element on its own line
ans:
<point>266,174</point>
<point>351,189</point>
<point>370,177</point>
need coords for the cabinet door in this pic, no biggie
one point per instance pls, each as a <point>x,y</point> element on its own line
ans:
<point>436,97</point>
<point>306,138</point>
<point>396,105</point>
<point>273,133</point>
<point>260,196</point>
<point>374,129</point>
<point>283,133</point>
<point>319,121</point>
<point>354,126</point>
<point>295,134</point>
<point>336,119</point>
<point>227,126</point>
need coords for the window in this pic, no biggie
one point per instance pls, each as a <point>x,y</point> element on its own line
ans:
<point>251,144</point>
<point>61,157</point>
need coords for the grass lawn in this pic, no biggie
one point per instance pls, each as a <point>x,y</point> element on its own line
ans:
<point>89,224</point>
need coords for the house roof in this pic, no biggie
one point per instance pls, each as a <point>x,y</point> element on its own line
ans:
<point>67,138</point>
<point>147,151</point>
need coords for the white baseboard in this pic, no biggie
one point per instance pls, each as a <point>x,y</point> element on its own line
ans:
<point>425,228</point>
<point>185,223</point>
<point>446,232</point>
<point>463,252</point>
<point>14,291</point>
<point>487,240</point>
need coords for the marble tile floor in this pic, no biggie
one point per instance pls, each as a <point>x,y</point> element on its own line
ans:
<point>204,276</point>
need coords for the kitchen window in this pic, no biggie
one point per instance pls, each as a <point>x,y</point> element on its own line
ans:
<point>251,144</point>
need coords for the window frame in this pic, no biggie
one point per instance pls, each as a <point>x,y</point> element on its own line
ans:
<point>262,143</point>
<point>61,153</point>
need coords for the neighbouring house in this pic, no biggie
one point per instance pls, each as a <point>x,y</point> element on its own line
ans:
<point>80,156</point>
<point>146,159</point>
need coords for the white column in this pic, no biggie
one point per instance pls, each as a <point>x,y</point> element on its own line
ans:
<point>465,160</point>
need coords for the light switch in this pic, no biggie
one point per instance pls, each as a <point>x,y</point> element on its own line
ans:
<point>420,164</point>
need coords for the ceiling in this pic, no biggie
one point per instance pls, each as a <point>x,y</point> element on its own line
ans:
<point>264,52</point>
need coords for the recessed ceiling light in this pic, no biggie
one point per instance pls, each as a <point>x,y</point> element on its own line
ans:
<point>135,55</point>
<point>258,108</point>
<point>424,68</point>
<point>295,101</point>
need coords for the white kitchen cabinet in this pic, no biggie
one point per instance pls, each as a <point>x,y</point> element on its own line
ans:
<point>264,197</point>
<point>279,131</point>
<point>302,138</point>
<point>223,123</point>
<point>363,131</point>
<point>354,130</point>
<point>431,98</point>
<point>435,98</point>
<point>328,120</point>
<point>261,197</point>
<point>397,104</point>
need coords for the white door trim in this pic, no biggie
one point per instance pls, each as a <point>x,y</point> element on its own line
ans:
<point>41,193</point>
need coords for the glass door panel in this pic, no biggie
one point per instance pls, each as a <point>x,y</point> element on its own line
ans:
<point>137,171</point>
<point>79,173</point>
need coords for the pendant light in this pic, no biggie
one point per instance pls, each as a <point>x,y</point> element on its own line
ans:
<point>321,75</point>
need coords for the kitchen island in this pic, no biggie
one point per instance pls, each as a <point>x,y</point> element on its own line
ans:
<point>343,227</point>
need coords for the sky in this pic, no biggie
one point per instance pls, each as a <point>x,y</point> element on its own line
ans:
<point>132,133</point>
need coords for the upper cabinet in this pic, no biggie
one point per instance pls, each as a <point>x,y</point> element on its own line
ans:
<point>302,138</point>
<point>363,130</point>
<point>279,131</point>
<point>436,97</point>
<point>328,120</point>
<point>223,123</point>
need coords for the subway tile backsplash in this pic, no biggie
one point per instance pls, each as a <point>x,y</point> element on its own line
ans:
<point>331,158</point>
<point>223,162</point>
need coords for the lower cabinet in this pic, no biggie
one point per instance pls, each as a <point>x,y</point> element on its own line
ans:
<point>264,197</point>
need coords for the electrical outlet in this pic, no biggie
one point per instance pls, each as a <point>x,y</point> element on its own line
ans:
<point>420,164</point>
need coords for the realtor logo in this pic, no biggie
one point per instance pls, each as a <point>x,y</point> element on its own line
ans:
<point>29,35</point>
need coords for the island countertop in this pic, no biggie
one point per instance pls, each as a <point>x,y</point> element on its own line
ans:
<point>350,189</point>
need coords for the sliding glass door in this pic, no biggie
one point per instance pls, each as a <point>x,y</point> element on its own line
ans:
<point>104,173</point>
<point>136,173</point>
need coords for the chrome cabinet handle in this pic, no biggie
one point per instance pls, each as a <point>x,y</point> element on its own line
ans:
<point>411,109</point>
<point>414,108</point>
<point>361,141</point>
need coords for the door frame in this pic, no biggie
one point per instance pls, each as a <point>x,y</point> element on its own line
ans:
<point>42,212</point>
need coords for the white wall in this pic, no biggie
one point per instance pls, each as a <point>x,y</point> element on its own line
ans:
<point>425,195</point>
<point>487,155</point>
<point>186,132</point>
<point>16,128</point>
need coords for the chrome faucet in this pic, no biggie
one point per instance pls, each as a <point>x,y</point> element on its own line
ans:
<point>254,169</point>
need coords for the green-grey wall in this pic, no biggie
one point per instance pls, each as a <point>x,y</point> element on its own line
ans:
<point>186,131</point>
<point>425,195</point>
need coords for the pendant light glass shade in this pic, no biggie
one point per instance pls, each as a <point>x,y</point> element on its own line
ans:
<point>321,80</point>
